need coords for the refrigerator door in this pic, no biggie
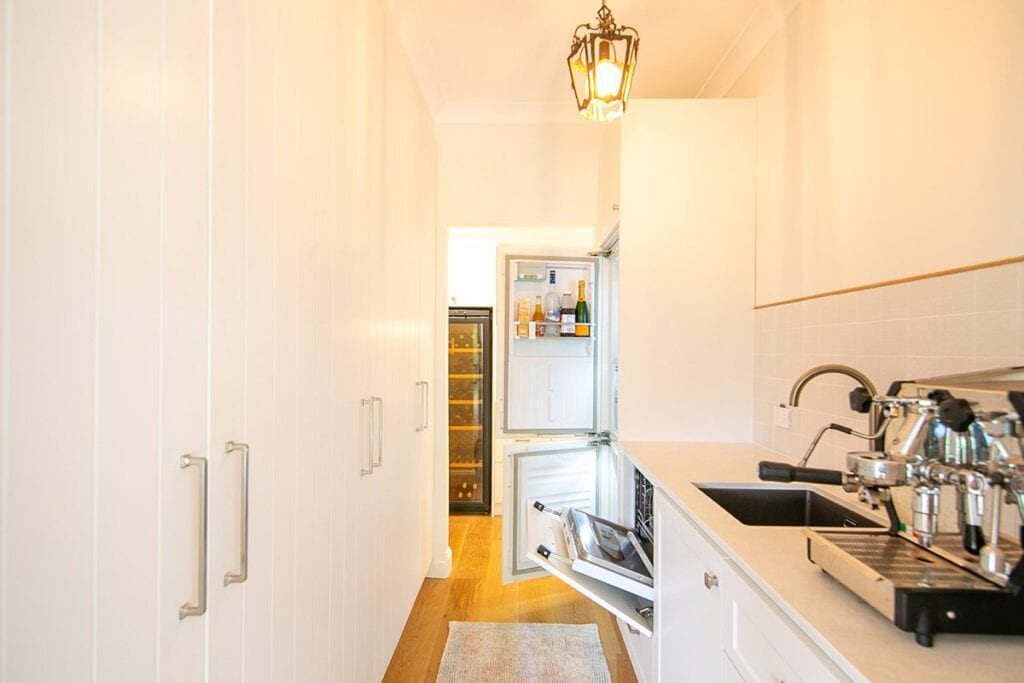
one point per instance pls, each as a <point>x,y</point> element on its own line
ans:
<point>560,474</point>
<point>551,376</point>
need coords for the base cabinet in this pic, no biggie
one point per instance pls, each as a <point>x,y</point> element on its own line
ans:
<point>641,652</point>
<point>711,623</point>
<point>688,613</point>
<point>761,642</point>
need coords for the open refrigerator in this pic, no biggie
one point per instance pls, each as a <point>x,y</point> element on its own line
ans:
<point>570,503</point>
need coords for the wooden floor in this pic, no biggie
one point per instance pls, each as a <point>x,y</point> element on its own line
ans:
<point>474,592</point>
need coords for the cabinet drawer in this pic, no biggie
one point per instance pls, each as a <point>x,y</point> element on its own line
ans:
<point>761,642</point>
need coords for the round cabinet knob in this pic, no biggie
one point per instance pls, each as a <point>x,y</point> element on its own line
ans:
<point>710,580</point>
<point>956,414</point>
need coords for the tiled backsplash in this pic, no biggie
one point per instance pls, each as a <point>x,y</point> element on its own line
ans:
<point>942,325</point>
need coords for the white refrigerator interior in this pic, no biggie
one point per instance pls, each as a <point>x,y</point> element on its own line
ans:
<point>550,379</point>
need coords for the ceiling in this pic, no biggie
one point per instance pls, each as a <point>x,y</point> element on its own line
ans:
<point>486,51</point>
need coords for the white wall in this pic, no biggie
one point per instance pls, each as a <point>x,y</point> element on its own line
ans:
<point>889,141</point>
<point>511,175</point>
<point>687,270</point>
<point>472,257</point>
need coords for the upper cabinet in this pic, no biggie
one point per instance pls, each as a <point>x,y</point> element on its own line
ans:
<point>687,270</point>
<point>608,180</point>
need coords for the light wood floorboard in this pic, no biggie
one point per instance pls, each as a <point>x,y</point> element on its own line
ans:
<point>474,592</point>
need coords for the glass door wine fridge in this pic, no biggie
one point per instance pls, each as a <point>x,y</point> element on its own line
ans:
<point>469,410</point>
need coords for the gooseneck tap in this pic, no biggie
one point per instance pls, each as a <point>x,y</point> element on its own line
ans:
<point>874,411</point>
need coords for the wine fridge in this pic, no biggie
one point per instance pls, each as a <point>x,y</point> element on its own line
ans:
<point>469,410</point>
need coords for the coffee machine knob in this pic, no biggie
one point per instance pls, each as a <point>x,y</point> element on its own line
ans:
<point>956,413</point>
<point>860,400</point>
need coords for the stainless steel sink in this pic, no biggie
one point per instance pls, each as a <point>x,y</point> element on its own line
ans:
<point>778,506</point>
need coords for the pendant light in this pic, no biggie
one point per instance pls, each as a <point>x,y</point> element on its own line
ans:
<point>601,61</point>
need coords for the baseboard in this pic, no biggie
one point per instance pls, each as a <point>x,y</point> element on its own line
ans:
<point>441,568</point>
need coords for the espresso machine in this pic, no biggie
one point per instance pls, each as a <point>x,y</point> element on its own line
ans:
<point>956,440</point>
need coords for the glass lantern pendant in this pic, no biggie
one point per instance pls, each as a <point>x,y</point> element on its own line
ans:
<point>601,64</point>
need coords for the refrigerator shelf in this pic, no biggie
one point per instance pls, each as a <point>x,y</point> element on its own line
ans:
<point>465,402</point>
<point>465,376</point>
<point>548,327</point>
<point>476,350</point>
<point>465,428</point>
<point>465,465</point>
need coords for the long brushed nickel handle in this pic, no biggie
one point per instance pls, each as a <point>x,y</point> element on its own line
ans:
<point>425,396</point>
<point>369,436</point>
<point>380,430</point>
<point>199,608</point>
<point>243,555</point>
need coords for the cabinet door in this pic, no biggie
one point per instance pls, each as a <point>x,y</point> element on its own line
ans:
<point>259,391</point>
<point>761,642</point>
<point>184,345</point>
<point>688,615</point>
<point>128,367</point>
<point>227,342</point>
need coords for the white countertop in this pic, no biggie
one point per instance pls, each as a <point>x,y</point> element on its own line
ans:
<point>862,642</point>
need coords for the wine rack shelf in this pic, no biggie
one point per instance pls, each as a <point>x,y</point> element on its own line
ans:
<point>465,350</point>
<point>465,402</point>
<point>465,465</point>
<point>465,428</point>
<point>465,376</point>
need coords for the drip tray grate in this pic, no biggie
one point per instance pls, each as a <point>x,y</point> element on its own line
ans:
<point>904,563</point>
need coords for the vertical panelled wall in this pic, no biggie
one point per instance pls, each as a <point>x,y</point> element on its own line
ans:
<point>217,222</point>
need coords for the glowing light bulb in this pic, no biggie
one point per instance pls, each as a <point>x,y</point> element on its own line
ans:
<point>608,74</point>
<point>609,78</point>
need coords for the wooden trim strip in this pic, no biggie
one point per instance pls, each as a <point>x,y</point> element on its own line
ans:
<point>897,281</point>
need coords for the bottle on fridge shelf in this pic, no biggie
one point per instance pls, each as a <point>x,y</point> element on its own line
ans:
<point>538,317</point>
<point>523,317</point>
<point>552,301</point>
<point>582,312</point>
<point>568,316</point>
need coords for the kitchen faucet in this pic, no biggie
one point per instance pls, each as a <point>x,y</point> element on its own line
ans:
<point>875,424</point>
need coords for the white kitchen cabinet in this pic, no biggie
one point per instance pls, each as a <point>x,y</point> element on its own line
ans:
<point>761,643</point>
<point>222,239</point>
<point>711,623</point>
<point>688,198</point>
<point>688,612</point>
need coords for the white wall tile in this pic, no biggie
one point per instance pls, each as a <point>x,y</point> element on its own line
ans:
<point>956,323</point>
<point>995,333</point>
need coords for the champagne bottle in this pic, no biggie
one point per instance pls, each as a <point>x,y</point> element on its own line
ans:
<point>538,317</point>
<point>582,312</point>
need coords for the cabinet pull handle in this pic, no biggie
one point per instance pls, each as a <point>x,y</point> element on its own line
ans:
<point>199,608</point>
<point>425,401</point>
<point>243,554</point>
<point>369,436</point>
<point>380,430</point>
<point>710,580</point>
